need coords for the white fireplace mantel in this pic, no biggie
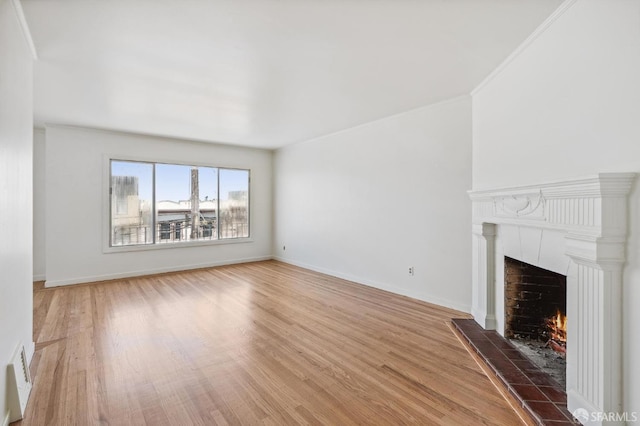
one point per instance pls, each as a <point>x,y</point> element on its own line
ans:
<point>591,214</point>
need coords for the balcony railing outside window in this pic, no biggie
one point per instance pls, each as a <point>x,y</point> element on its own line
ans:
<point>166,232</point>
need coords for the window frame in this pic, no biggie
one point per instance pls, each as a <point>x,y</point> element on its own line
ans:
<point>106,208</point>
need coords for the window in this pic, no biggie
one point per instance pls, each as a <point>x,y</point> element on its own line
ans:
<point>234,204</point>
<point>131,203</point>
<point>158,203</point>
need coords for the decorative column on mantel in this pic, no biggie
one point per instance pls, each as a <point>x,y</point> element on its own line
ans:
<point>592,214</point>
<point>483,291</point>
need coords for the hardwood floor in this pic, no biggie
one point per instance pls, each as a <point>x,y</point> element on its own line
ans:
<point>259,343</point>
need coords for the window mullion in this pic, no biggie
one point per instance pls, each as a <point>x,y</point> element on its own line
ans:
<point>218,204</point>
<point>153,206</point>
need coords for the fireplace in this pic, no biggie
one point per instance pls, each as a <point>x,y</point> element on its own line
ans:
<point>577,228</point>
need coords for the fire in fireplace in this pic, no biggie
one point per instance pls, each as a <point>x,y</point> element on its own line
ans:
<point>557,330</point>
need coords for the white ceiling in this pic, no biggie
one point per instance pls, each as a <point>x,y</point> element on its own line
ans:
<point>263,73</point>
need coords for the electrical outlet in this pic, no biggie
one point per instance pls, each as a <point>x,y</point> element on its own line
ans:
<point>411,271</point>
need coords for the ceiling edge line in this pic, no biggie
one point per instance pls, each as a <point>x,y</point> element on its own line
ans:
<point>542,28</point>
<point>442,102</point>
<point>153,136</point>
<point>26,32</point>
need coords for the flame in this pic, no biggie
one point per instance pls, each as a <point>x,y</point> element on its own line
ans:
<point>557,327</point>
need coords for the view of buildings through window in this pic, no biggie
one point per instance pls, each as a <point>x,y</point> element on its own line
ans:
<point>156,203</point>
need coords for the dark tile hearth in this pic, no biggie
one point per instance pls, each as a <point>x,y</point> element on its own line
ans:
<point>540,395</point>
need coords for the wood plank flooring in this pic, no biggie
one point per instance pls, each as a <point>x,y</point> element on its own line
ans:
<point>259,343</point>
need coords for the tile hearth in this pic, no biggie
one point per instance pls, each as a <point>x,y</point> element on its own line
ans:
<point>539,395</point>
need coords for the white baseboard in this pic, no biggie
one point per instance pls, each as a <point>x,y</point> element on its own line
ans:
<point>5,422</point>
<point>142,272</point>
<point>39,277</point>
<point>381,286</point>
<point>370,283</point>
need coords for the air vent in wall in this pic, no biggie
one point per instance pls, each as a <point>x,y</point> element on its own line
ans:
<point>19,384</point>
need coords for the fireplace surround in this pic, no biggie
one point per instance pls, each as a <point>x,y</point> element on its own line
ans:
<point>576,228</point>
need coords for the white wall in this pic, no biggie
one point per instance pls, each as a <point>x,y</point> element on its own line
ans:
<point>16,141</point>
<point>77,209</point>
<point>567,106</point>
<point>367,203</point>
<point>39,205</point>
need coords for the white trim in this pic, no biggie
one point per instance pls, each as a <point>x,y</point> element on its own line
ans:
<point>566,5</point>
<point>26,32</point>
<point>142,272</point>
<point>558,205</point>
<point>484,236</point>
<point>381,286</point>
<point>40,277</point>
<point>5,422</point>
<point>175,245</point>
<point>584,186</point>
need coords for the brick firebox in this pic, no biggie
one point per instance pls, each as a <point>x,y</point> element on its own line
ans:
<point>532,296</point>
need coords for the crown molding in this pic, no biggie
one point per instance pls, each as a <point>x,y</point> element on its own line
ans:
<point>26,32</point>
<point>566,5</point>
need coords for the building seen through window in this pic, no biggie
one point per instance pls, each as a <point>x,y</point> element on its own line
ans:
<point>156,203</point>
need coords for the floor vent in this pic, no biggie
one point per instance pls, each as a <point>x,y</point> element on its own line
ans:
<point>19,384</point>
